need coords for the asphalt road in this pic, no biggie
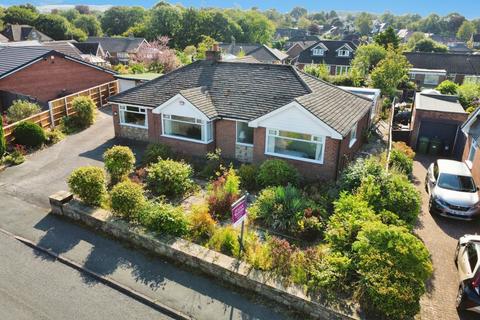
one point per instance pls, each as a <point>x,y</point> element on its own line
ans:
<point>33,286</point>
<point>24,211</point>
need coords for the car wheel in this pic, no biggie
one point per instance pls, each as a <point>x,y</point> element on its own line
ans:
<point>460,301</point>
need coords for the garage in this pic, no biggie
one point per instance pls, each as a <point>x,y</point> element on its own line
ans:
<point>436,124</point>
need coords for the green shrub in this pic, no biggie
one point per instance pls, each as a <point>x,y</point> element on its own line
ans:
<point>401,161</point>
<point>281,255</point>
<point>3,142</point>
<point>351,212</point>
<point>169,178</point>
<point>54,136</point>
<point>393,276</point>
<point>225,240</point>
<point>202,225</point>
<point>277,172</point>
<point>353,175</point>
<point>164,218</point>
<point>88,183</point>
<point>119,162</point>
<point>127,200</point>
<point>29,134</point>
<point>222,193</point>
<point>447,87</point>
<point>468,92</point>
<point>248,177</point>
<point>84,108</point>
<point>392,192</point>
<point>257,252</point>
<point>402,147</point>
<point>156,152</point>
<point>16,157</point>
<point>21,109</point>
<point>214,165</point>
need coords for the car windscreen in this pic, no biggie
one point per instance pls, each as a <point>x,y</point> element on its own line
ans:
<point>456,182</point>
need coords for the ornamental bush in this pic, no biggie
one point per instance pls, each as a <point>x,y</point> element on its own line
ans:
<point>169,178</point>
<point>393,276</point>
<point>404,148</point>
<point>276,172</point>
<point>447,87</point>
<point>222,193</point>
<point>88,183</point>
<point>84,108</point>
<point>127,200</point>
<point>156,152</point>
<point>29,134</point>
<point>401,162</point>
<point>54,136</point>
<point>202,225</point>
<point>162,217</point>
<point>119,162</point>
<point>225,240</point>
<point>353,175</point>
<point>21,109</point>
<point>248,177</point>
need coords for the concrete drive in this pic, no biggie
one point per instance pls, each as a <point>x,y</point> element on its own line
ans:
<point>440,236</point>
<point>24,192</point>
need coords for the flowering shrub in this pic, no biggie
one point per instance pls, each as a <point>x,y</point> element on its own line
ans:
<point>222,193</point>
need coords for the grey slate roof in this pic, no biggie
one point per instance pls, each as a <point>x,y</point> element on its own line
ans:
<point>247,91</point>
<point>66,47</point>
<point>330,57</point>
<point>20,32</point>
<point>454,63</point>
<point>260,52</point>
<point>113,45</point>
<point>87,47</point>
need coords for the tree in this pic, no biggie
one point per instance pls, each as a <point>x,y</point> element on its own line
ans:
<point>466,31</point>
<point>117,20</point>
<point>430,24</point>
<point>319,71</point>
<point>70,14</point>
<point>256,27</point>
<point>82,9</point>
<point>452,23</point>
<point>20,15</point>
<point>363,23</point>
<point>157,56</point>
<point>55,26</point>
<point>429,45</point>
<point>390,72</point>
<point>388,37</point>
<point>76,34</point>
<point>367,57</point>
<point>206,43</point>
<point>166,21</point>
<point>89,24</point>
<point>298,12</point>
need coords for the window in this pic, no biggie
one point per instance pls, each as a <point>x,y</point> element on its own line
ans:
<point>343,53</point>
<point>472,256</point>
<point>353,135</point>
<point>471,153</point>
<point>472,79</point>
<point>431,79</point>
<point>295,145</point>
<point>122,55</point>
<point>339,70</point>
<point>318,52</point>
<point>133,116</point>
<point>413,76</point>
<point>244,133</point>
<point>187,128</point>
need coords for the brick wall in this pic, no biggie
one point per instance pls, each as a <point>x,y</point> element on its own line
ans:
<point>476,161</point>
<point>225,137</point>
<point>49,79</point>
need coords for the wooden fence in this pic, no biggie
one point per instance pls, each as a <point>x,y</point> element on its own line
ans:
<point>61,107</point>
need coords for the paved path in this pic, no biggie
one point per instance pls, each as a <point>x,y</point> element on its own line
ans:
<point>440,236</point>
<point>24,211</point>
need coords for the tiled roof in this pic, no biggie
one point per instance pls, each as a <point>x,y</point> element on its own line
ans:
<point>12,58</point>
<point>16,32</point>
<point>260,52</point>
<point>247,91</point>
<point>87,47</point>
<point>330,57</point>
<point>454,63</point>
<point>66,47</point>
<point>126,44</point>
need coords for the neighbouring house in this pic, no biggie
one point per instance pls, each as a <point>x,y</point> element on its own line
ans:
<point>303,39</point>
<point>471,153</point>
<point>459,46</point>
<point>128,81</point>
<point>260,52</point>
<point>43,74</point>
<point>251,111</point>
<point>430,69</point>
<point>438,117</point>
<point>289,33</point>
<point>92,52</point>
<point>119,49</point>
<point>476,41</point>
<point>297,48</point>
<point>373,94</point>
<point>22,32</point>
<point>405,35</point>
<point>335,54</point>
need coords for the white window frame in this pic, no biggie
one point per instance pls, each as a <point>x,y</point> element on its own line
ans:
<point>204,126</point>
<point>432,83</point>
<point>344,53</point>
<point>471,154</point>
<point>318,52</point>
<point>353,135</point>
<point>322,141</point>
<point>236,134</point>
<point>121,115</point>
<point>343,70</point>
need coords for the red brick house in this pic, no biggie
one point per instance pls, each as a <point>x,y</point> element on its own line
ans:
<point>471,153</point>
<point>251,111</point>
<point>42,74</point>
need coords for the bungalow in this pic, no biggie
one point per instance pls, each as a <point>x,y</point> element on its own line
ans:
<point>251,111</point>
<point>118,49</point>
<point>471,153</point>
<point>335,54</point>
<point>430,69</point>
<point>260,52</point>
<point>42,74</point>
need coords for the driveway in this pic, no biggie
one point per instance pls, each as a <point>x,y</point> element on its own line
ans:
<point>440,236</point>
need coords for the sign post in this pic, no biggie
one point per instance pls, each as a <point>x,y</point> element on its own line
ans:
<point>239,213</point>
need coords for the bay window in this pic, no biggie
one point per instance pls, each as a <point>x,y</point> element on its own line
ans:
<point>295,145</point>
<point>133,116</point>
<point>244,133</point>
<point>187,128</point>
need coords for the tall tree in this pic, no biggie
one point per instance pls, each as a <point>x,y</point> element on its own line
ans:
<point>298,12</point>
<point>53,25</point>
<point>390,72</point>
<point>89,24</point>
<point>256,27</point>
<point>429,45</point>
<point>166,20</point>
<point>70,14</point>
<point>367,57</point>
<point>387,38</point>
<point>466,31</point>
<point>117,20</point>
<point>363,23</point>
<point>83,9</point>
<point>20,15</point>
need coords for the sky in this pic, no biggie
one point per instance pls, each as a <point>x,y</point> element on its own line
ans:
<point>469,8</point>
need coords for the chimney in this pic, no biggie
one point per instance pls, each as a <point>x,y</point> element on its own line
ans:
<point>214,54</point>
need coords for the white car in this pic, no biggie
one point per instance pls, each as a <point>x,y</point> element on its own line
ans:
<point>468,266</point>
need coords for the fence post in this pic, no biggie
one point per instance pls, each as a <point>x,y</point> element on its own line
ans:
<point>52,119</point>
<point>66,106</point>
